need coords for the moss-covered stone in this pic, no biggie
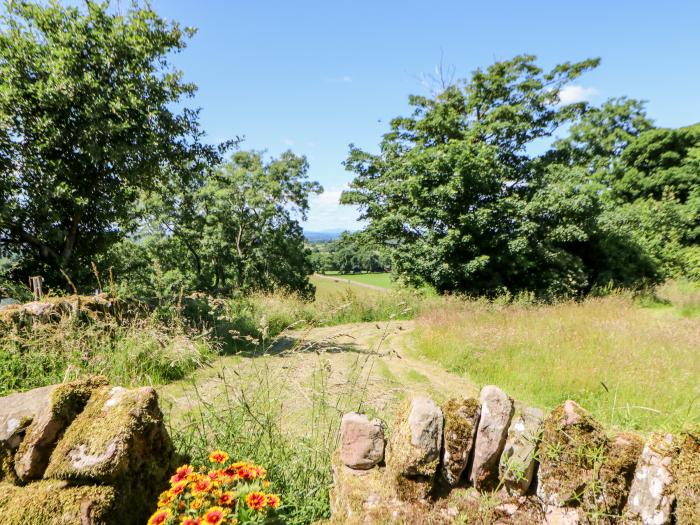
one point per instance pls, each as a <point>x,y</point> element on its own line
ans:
<point>461,419</point>
<point>66,401</point>
<point>120,439</point>
<point>686,471</point>
<point>571,452</point>
<point>607,493</point>
<point>56,503</point>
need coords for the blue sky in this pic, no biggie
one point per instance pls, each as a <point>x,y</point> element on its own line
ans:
<point>315,76</point>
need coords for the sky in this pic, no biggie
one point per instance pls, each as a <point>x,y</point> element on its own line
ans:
<point>316,76</point>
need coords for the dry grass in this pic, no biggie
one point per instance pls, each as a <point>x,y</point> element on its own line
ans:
<point>631,366</point>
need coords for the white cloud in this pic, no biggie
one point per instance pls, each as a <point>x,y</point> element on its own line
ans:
<point>572,94</point>
<point>326,212</point>
<point>288,142</point>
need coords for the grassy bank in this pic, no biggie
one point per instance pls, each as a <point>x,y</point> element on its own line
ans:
<point>633,364</point>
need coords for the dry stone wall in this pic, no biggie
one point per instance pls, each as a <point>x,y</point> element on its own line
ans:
<point>83,453</point>
<point>495,461</point>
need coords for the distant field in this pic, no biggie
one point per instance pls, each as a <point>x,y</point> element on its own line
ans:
<point>327,289</point>
<point>375,279</point>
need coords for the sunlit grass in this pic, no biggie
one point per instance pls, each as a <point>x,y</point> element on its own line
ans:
<point>631,366</point>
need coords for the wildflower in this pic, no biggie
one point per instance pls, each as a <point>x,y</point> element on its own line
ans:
<point>218,456</point>
<point>177,488</point>
<point>181,473</point>
<point>159,517</point>
<point>247,473</point>
<point>196,504</point>
<point>190,521</point>
<point>256,500</point>
<point>273,500</point>
<point>202,486</point>
<point>214,516</point>
<point>165,499</point>
<point>227,498</point>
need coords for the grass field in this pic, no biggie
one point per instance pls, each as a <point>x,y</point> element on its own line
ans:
<point>382,280</point>
<point>633,366</point>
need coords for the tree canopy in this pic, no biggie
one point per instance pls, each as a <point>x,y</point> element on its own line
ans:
<point>463,204</point>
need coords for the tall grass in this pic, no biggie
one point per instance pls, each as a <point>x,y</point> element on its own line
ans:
<point>288,423</point>
<point>631,366</point>
<point>136,352</point>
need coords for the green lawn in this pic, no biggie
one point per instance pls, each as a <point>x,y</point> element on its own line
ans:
<point>376,279</point>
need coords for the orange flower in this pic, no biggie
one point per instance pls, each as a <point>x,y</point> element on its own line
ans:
<point>256,500</point>
<point>218,456</point>
<point>227,498</point>
<point>196,504</point>
<point>214,516</point>
<point>165,500</point>
<point>159,517</point>
<point>177,488</point>
<point>181,473</point>
<point>247,473</point>
<point>190,521</point>
<point>273,500</point>
<point>202,486</point>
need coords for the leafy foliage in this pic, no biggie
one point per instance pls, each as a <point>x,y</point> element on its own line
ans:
<point>86,106</point>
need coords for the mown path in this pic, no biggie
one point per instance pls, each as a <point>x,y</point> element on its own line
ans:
<point>366,366</point>
<point>350,281</point>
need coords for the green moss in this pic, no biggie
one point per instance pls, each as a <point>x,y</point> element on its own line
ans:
<point>571,452</point>
<point>607,494</point>
<point>55,503</point>
<point>686,471</point>
<point>460,419</point>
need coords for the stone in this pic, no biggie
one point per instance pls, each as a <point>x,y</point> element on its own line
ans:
<point>561,516</point>
<point>491,433</point>
<point>361,441</point>
<point>686,472</point>
<point>17,411</point>
<point>65,403</point>
<point>118,439</point>
<point>572,449</point>
<point>414,448</point>
<point>615,476</point>
<point>461,421</point>
<point>57,503</point>
<point>650,499</point>
<point>518,461</point>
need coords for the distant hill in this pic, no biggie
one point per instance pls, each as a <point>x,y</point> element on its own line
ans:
<point>323,236</point>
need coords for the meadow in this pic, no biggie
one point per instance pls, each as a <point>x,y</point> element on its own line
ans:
<point>267,376</point>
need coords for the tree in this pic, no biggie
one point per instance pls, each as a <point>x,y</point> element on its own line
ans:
<point>464,207</point>
<point>88,124</point>
<point>239,229</point>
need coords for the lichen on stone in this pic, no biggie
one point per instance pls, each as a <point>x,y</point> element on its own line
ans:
<point>571,452</point>
<point>461,418</point>
<point>686,473</point>
<point>56,503</point>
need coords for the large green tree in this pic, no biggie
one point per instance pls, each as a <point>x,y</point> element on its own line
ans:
<point>463,204</point>
<point>91,117</point>
<point>238,230</point>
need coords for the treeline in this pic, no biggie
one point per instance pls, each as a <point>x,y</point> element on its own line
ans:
<point>462,201</point>
<point>492,185</point>
<point>350,253</point>
<point>105,180</point>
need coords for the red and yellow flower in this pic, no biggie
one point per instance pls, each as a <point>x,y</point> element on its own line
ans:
<point>178,488</point>
<point>190,521</point>
<point>201,486</point>
<point>159,517</point>
<point>218,456</point>
<point>256,500</point>
<point>273,500</point>
<point>214,516</point>
<point>182,473</point>
<point>227,498</point>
